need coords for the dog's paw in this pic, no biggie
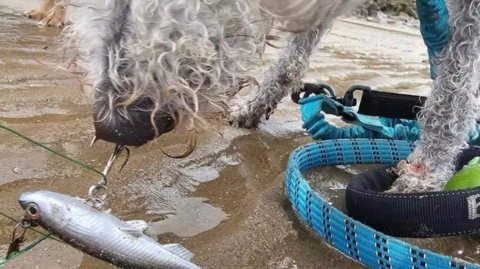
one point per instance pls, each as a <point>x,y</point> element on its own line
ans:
<point>240,120</point>
<point>413,185</point>
<point>241,117</point>
<point>56,18</point>
<point>414,178</point>
<point>250,110</point>
<point>35,14</point>
<point>47,22</point>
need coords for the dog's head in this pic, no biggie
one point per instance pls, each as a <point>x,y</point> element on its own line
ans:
<point>159,65</point>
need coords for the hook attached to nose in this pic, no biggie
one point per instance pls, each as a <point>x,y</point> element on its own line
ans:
<point>98,200</point>
<point>116,153</point>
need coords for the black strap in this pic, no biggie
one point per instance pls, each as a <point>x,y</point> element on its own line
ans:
<point>416,215</point>
<point>391,105</point>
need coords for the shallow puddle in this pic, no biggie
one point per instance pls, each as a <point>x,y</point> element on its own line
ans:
<point>226,202</point>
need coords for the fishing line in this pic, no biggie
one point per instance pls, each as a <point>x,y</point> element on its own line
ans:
<point>55,152</point>
<point>33,229</point>
<point>4,260</point>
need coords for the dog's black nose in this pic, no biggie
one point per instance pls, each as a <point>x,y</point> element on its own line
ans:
<point>136,131</point>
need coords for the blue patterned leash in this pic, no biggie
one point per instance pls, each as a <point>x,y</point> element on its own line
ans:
<point>354,239</point>
<point>434,27</point>
<point>361,243</point>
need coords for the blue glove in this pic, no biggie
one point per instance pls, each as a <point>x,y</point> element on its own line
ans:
<point>433,16</point>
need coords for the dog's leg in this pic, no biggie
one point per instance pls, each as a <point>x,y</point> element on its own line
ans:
<point>450,113</point>
<point>283,77</point>
<point>56,17</point>
<point>41,12</point>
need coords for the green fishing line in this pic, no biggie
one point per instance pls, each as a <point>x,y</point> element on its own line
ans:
<point>33,229</point>
<point>54,152</point>
<point>12,256</point>
<point>4,260</point>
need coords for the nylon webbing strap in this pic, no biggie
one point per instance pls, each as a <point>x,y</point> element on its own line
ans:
<point>391,105</point>
<point>418,215</point>
<point>349,236</point>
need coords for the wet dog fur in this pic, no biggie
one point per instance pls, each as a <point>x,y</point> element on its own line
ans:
<point>157,66</point>
<point>161,65</point>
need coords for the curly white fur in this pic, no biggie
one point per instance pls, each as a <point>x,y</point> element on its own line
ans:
<point>188,56</point>
<point>449,115</point>
<point>305,15</point>
<point>284,76</point>
<point>185,55</point>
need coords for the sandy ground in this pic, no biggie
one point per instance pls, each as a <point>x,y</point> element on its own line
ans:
<point>225,202</point>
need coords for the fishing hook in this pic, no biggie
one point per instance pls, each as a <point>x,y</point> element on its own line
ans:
<point>102,184</point>
<point>17,242</point>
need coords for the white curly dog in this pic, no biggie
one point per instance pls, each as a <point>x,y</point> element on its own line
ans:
<point>161,65</point>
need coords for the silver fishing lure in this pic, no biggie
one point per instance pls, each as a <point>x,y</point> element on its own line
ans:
<point>100,234</point>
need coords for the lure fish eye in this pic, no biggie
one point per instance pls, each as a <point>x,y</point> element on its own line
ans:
<point>33,211</point>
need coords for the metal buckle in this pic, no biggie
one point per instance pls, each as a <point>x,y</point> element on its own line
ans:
<point>348,99</point>
<point>346,114</point>
<point>311,88</point>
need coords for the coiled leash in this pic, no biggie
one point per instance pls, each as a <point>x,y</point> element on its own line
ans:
<point>384,131</point>
<point>356,240</point>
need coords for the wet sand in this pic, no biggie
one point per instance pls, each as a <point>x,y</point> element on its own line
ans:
<point>226,201</point>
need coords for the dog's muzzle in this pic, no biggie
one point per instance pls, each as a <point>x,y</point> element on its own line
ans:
<point>136,131</point>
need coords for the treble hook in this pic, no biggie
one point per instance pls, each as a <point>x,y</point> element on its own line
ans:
<point>17,242</point>
<point>124,148</point>
<point>116,153</point>
<point>102,183</point>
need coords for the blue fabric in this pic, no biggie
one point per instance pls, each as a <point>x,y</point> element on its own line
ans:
<point>368,127</point>
<point>433,16</point>
<point>319,128</point>
<point>354,239</point>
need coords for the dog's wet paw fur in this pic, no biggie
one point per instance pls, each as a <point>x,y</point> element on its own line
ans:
<point>50,13</point>
<point>35,14</point>
<point>56,18</point>
<point>242,117</point>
